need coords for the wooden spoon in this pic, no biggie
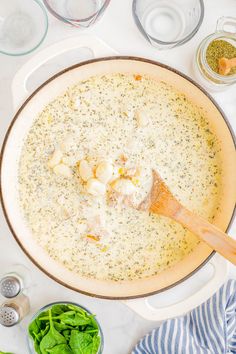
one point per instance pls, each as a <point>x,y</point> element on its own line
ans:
<point>161,201</point>
<point>225,65</point>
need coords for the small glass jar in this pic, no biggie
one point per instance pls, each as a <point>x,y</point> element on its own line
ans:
<point>225,30</point>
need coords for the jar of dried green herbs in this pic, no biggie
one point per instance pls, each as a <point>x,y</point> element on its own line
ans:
<point>221,44</point>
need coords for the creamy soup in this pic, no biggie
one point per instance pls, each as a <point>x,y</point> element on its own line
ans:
<point>133,124</point>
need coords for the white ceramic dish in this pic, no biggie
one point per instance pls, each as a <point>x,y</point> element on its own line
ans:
<point>20,127</point>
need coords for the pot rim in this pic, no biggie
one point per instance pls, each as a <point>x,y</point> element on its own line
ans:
<point>91,61</point>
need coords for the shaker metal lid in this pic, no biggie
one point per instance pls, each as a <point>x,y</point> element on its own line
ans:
<point>10,286</point>
<point>8,316</point>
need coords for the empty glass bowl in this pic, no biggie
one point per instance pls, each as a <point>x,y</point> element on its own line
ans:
<point>23,26</point>
<point>168,23</point>
<point>79,13</point>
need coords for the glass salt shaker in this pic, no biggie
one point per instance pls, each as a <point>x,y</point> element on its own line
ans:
<point>212,80</point>
<point>14,310</point>
<point>14,282</point>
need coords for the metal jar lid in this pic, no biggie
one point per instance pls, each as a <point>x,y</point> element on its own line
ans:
<point>10,286</point>
<point>9,316</point>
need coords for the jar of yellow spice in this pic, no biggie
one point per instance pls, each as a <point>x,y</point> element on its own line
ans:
<point>215,61</point>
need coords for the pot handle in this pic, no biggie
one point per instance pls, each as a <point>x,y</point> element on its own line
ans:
<point>151,313</point>
<point>19,90</point>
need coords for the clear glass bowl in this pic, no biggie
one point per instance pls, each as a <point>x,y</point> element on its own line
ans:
<point>168,23</point>
<point>79,13</point>
<point>23,26</point>
<point>47,307</point>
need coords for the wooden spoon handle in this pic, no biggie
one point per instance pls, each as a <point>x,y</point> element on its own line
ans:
<point>209,233</point>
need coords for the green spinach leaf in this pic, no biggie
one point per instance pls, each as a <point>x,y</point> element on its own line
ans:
<point>59,317</point>
<point>37,334</point>
<point>93,347</point>
<point>66,334</point>
<point>52,338</point>
<point>59,309</point>
<point>73,318</point>
<point>94,323</point>
<point>40,322</point>
<point>77,309</point>
<point>80,342</point>
<point>60,326</point>
<point>37,348</point>
<point>44,331</point>
<point>96,344</point>
<point>93,332</point>
<point>76,320</point>
<point>33,328</point>
<point>60,349</point>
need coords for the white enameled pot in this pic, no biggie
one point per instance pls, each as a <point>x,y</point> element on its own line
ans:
<point>28,106</point>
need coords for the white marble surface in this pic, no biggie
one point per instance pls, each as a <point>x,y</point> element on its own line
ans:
<point>121,326</point>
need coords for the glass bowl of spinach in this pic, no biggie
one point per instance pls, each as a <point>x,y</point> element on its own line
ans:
<point>64,328</point>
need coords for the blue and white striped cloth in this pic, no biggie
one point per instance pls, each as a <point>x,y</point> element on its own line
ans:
<point>209,329</point>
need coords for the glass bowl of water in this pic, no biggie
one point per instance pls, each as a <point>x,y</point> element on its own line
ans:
<point>168,23</point>
<point>78,13</point>
<point>23,26</point>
